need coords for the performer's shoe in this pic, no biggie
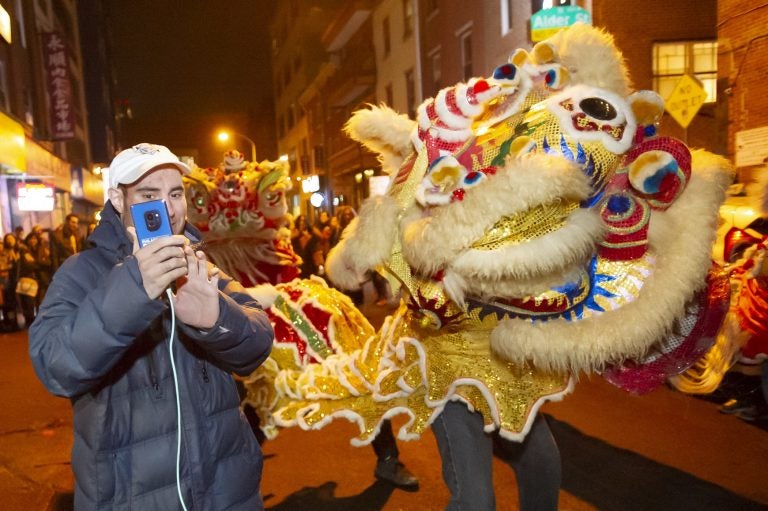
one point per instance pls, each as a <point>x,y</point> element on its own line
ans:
<point>394,472</point>
<point>736,405</point>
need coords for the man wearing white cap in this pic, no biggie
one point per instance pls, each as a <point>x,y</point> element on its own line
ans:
<point>157,423</point>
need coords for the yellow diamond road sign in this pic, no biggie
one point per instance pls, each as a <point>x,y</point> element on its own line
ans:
<point>685,100</point>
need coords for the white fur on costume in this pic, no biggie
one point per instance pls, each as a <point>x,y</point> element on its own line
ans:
<point>687,227</point>
<point>365,244</point>
<point>265,294</point>
<point>383,131</point>
<point>434,242</point>
<point>590,57</point>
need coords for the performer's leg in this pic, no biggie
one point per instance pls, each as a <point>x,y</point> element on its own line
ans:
<point>388,465</point>
<point>537,466</point>
<point>466,452</point>
<point>384,444</point>
<point>765,379</point>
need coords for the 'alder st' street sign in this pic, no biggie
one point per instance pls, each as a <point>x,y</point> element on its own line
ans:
<point>547,22</point>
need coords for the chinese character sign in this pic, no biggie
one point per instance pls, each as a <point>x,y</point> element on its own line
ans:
<point>59,86</point>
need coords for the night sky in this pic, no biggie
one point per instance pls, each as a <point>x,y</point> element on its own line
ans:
<point>187,72</point>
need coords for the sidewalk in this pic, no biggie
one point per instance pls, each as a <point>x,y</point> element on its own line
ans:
<point>35,435</point>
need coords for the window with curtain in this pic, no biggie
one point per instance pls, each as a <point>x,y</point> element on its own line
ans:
<point>466,55</point>
<point>407,18</point>
<point>505,15</point>
<point>385,35</point>
<point>410,93</point>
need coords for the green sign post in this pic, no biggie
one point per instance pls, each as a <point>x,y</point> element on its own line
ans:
<point>547,22</point>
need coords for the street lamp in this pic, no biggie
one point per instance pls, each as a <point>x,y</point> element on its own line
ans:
<point>224,135</point>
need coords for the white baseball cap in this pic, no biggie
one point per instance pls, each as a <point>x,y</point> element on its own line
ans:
<point>131,164</point>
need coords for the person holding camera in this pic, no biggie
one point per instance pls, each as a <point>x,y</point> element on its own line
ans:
<point>143,340</point>
<point>65,241</point>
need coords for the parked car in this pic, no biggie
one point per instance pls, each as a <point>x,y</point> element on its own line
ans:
<point>742,224</point>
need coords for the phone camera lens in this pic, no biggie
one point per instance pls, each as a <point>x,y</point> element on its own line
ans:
<point>153,220</point>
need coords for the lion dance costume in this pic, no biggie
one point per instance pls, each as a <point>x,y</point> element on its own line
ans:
<point>538,226</point>
<point>240,208</point>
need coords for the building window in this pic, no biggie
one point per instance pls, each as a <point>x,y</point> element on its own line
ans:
<point>407,18</point>
<point>465,40</point>
<point>537,5</point>
<point>305,167</point>
<point>4,96</point>
<point>410,93</point>
<point>385,30</point>
<point>673,60</point>
<point>291,116</point>
<point>437,70</point>
<point>506,16</point>
<point>21,24</point>
<point>389,99</point>
<point>319,157</point>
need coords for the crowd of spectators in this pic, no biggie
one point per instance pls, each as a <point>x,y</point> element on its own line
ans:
<point>313,241</point>
<point>27,263</point>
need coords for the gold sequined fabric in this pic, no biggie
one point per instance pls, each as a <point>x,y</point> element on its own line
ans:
<point>417,370</point>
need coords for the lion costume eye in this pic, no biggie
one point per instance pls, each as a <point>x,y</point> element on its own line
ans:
<point>507,74</point>
<point>446,181</point>
<point>590,114</point>
<point>598,108</point>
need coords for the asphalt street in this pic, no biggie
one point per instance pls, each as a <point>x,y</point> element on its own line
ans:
<point>664,450</point>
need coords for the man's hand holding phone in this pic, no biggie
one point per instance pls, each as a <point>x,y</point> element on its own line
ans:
<point>161,262</point>
<point>165,258</point>
<point>197,294</point>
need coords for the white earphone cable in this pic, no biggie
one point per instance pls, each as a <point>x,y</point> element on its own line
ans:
<point>178,400</point>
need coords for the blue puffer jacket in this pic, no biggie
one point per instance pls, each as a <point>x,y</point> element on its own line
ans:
<point>101,341</point>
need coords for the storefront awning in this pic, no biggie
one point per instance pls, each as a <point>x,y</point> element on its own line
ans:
<point>12,155</point>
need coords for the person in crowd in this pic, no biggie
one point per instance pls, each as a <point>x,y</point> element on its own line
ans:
<point>65,241</point>
<point>88,231</point>
<point>317,250</point>
<point>300,237</point>
<point>43,256</point>
<point>32,259</point>
<point>9,274</point>
<point>323,220</point>
<point>18,231</point>
<point>143,341</point>
<point>335,229</point>
<point>344,215</point>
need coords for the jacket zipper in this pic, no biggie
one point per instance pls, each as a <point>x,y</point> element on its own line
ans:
<point>206,378</point>
<point>153,376</point>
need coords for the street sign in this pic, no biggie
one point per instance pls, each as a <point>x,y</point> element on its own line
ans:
<point>547,22</point>
<point>751,147</point>
<point>685,100</point>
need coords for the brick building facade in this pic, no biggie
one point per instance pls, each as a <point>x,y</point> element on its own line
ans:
<point>637,29</point>
<point>743,55</point>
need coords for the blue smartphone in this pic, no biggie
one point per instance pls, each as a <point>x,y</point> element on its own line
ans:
<point>151,221</point>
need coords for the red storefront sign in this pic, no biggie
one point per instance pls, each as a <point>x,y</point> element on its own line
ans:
<point>59,86</point>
